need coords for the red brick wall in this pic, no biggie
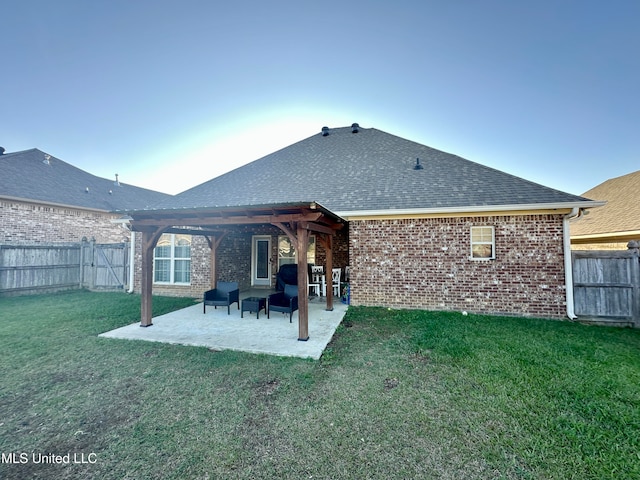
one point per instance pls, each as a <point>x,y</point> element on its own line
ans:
<point>200,271</point>
<point>340,250</point>
<point>23,223</point>
<point>234,259</point>
<point>424,263</point>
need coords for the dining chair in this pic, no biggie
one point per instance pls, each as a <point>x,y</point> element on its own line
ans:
<point>317,277</point>
<point>335,280</point>
<point>314,284</point>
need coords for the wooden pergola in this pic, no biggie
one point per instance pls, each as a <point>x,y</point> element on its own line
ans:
<point>296,220</point>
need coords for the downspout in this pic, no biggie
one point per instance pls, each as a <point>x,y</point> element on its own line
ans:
<point>126,223</point>
<point>568,267</point>
<point>132,261</point>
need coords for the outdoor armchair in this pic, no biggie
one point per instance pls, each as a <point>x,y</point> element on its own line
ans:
<point>285,302</point>
<point>225,294</point>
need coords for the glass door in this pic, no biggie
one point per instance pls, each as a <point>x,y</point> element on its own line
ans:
<point>261,260</point>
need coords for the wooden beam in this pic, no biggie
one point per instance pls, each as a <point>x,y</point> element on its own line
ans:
<point>316,227</point>
<point>289,232</point>
<point>303,285</point>
<point>194,231</point>
<point>170,222</point>
<point>149,241</point>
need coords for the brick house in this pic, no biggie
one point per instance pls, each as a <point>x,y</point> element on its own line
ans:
<point>418,227</point>
<point>612,226</point>
<point>45,201</point>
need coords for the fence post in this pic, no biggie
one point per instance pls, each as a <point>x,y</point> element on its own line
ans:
<point>125,263</point>
<point>83,245</point>
<point>634,249</point>
<point>94,268</point>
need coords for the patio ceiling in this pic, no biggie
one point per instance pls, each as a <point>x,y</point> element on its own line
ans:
<point>296,220</point>
<point>236,215</point>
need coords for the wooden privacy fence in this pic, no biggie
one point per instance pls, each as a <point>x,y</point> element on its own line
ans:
<point>606,286</point>
<point>29,269</point>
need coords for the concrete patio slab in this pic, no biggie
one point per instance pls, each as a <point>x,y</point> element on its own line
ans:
<point>219,331</point>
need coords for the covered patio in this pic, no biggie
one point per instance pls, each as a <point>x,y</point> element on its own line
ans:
<point>296,220</point>
<point>218,331</point>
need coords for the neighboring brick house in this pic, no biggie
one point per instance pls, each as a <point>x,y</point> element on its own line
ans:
<point>45,201</point>
<point>423,228</point>
<point>614,225</point>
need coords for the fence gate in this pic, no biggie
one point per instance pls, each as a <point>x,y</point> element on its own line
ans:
<point>30,269</point>
<point>104,266</point>
<point>606,286</point>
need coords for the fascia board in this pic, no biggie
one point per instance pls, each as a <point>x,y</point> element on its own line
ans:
<point>610,235</point>
<point>51,204</point>
<point>478,209</point>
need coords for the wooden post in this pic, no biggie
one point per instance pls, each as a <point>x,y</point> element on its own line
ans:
<point>149,240</point>
<point>634,250</point>
<point>303,284</point>
<point>329,253</point>
<point>83,245</point>
<point>94,266</point>
<point>214,242</point>
<point>214,246</point>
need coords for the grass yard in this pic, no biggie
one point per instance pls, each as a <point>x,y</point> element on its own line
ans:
<point>397,394</point>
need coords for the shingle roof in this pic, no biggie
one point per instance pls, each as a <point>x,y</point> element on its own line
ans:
<point>25,175</point>
<point>366,171</point>
<point>620,214</point>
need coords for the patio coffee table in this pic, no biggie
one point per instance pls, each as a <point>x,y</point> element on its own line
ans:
<point>253,304</point>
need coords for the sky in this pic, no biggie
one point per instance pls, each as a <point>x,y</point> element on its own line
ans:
<point>169,94</point>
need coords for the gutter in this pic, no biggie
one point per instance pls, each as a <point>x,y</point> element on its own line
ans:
<point>350,214</point>
<point>622,236</point>
<point>576,212</point>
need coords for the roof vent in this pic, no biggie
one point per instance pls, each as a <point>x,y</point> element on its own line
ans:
<point>2,150</point>
<point>325,131</point>
<point>47,157</point>
<point>117,182</point>
<point>355,128</point>
<point>417,166</point>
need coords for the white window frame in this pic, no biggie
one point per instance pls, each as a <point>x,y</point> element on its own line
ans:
<point>311,251</point>
<point>482,236</point>
<point>172,259</point>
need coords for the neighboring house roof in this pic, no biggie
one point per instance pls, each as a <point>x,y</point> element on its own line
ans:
<point>35,176</point>
<point>619,219</point>
<point>369,171</point>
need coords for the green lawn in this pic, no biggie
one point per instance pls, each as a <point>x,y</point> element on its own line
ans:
<point>397,394</point>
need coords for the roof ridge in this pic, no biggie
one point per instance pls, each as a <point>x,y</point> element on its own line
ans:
<point>38,176</point>
<point>368,170</point>
<point>8,154</point>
